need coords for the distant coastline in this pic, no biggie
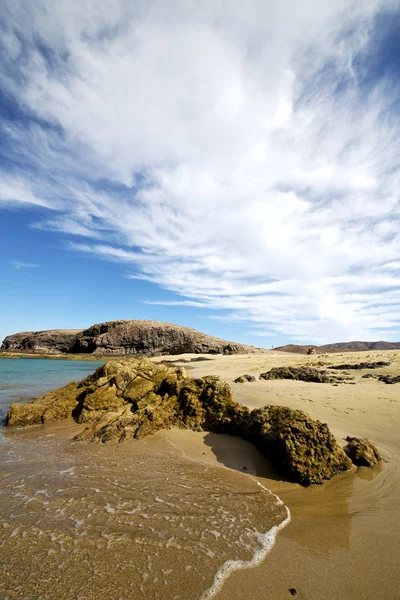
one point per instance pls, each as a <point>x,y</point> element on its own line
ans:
<point>89,357</point>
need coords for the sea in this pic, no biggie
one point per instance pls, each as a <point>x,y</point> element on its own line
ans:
<point>144,519</point>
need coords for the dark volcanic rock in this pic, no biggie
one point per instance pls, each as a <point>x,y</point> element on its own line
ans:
<point>362,452</point>
<point>389,378</point>
<point>135,398</point>
<point>302,374</point>
<point>362,365</point>
<point>150,337</point>
<point>41,342</point>
<point>123,337</point>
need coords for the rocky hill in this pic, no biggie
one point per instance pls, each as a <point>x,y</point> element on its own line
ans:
<point>53,341</point>
<point>340,347</point>
<point>123,338</point>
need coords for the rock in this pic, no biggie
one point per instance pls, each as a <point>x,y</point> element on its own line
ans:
<point>300,373</point>
<point>363,365</point>
<point>41,342</point>
<point>135,398</point>
<point>54,406</point>
<point>122,338</point>
<point>293,591</point>
<point>361,452</point>
<point>389,378</point>
<point>244,379</point>
<point>300,448</point>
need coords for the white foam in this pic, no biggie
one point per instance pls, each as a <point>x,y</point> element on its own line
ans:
<point>69,471</point>
<point>267,541</point>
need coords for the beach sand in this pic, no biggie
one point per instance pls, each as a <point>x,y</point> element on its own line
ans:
<point>343,541</point>
<point>343,538</point>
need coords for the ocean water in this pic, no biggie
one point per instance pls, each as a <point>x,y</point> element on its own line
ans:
<point>142,519</point>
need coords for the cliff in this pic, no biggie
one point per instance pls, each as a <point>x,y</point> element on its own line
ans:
<point>53,341</point>
<point>123,338</point>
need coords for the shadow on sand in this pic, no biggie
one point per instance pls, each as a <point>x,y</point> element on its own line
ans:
<point>235,453</point>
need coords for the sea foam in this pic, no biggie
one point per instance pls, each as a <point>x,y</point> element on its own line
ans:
<point>267,541</point>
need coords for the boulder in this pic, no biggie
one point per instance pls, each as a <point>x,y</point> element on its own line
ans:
<point>303,450</point>
<point>135,398</point>
<point>244,379</point>
<point>361,452</point>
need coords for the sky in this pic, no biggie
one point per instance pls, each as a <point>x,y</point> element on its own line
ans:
<point>225,165</point>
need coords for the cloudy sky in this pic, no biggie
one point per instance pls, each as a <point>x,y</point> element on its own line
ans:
<point>227,165</point>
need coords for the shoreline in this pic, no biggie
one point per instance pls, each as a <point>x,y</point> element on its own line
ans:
<point>35,356</point>
<point>342,541</point>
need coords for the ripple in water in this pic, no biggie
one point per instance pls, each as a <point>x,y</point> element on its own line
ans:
<point>128,521</point>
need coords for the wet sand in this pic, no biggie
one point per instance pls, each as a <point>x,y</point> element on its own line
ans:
<point>342,541</point>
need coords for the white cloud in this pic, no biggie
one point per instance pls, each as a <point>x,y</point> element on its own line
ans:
<point>209,146</point>
<point>17,264</point>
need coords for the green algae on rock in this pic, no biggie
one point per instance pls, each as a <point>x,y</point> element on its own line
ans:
<point>54,406</point>
<point>135,398</point>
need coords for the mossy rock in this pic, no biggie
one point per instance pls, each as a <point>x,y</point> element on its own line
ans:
<point>361,452</point>
<point>302,449</point>
<point>54,406</point>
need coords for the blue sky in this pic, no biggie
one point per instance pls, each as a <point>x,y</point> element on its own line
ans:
<point>232,167</point>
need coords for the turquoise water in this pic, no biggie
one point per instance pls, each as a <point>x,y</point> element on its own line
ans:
<point>24,378</point>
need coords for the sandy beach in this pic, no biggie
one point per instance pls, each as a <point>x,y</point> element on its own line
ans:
<point>343,541</point>
<point>343,538</point>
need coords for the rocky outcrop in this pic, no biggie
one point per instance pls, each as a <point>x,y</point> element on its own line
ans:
<point>244,378</point>
<point>302,449</point>
<point>361,452</point>
<point>123,338</point>
<point>389,378</point>
<point>54,406</point>
<point>303,374</point>
<point>363,365</point>
<point>136,398</point>
<point>41,342</point>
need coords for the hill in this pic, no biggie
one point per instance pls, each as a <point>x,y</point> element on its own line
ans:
<point>340,347</point>
<point>122,338</point>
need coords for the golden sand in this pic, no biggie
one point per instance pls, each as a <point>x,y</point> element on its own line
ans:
<point>343,542</point>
